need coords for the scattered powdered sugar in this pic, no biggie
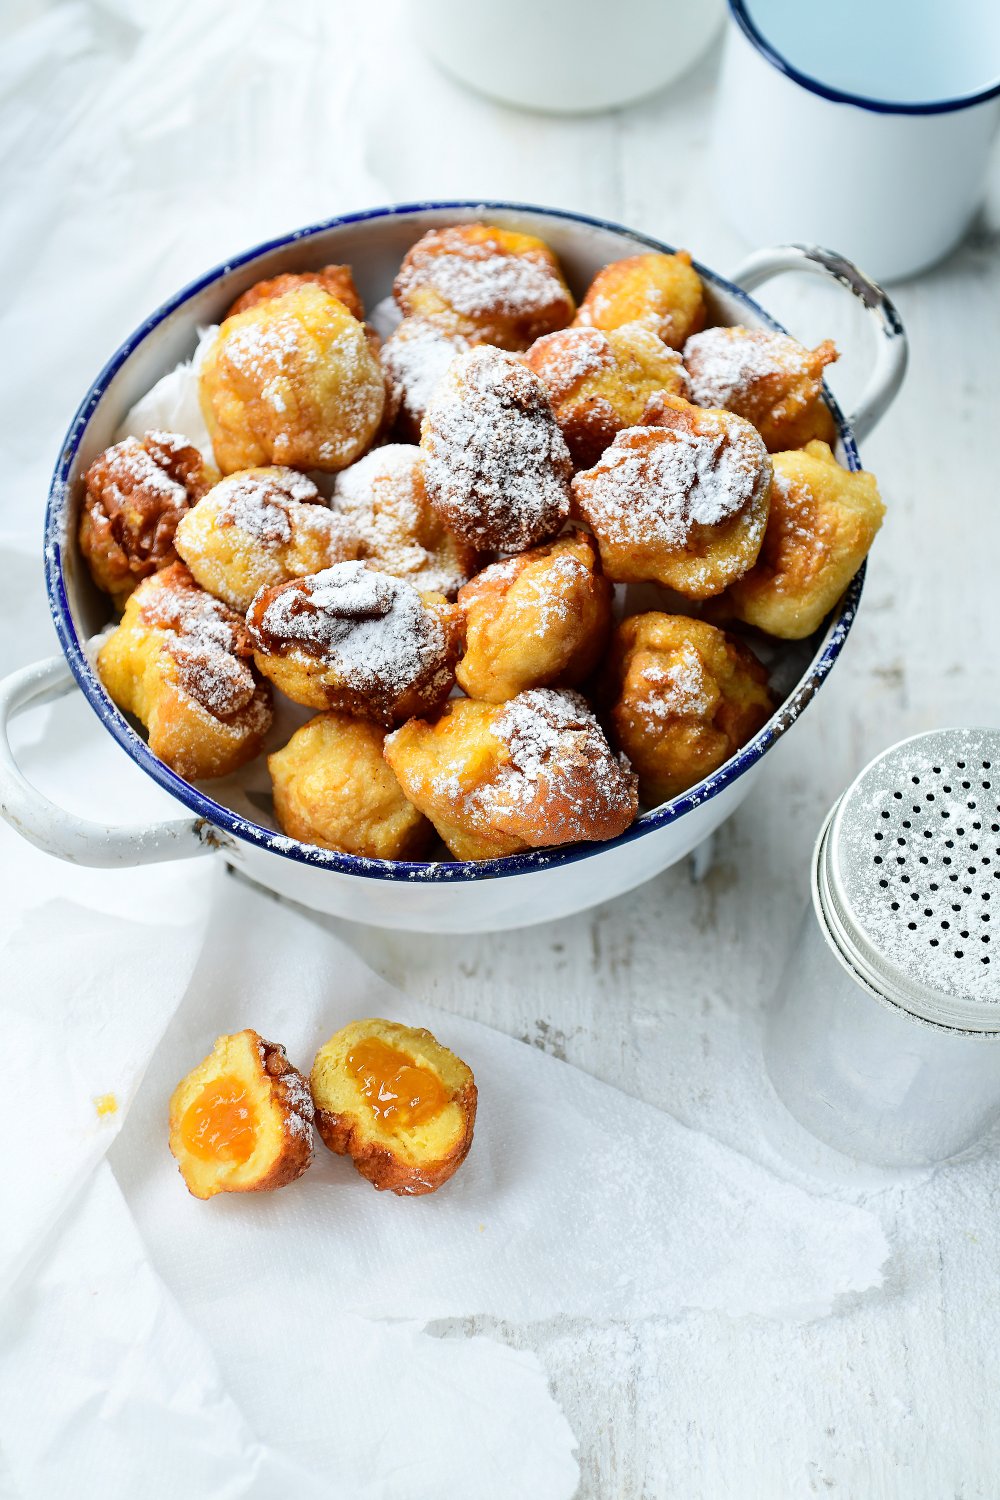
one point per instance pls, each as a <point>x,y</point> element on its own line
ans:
<point>128,468</point>
<point>662,482</point>
<point>549,595</point>
<point>566,358</point>
<point>258,503</point>
<point>555,744</point>
<point>723,364</point>
<point>498,470</point>
<point>477,280</point>
<point>382,499</point>
<point>558,781</point>
<point>415,359</point>
<point>208,642</point>
<point>373,630</point>
<point>682,687</point>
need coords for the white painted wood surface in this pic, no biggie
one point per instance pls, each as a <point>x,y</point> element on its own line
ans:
<point>660,993</point>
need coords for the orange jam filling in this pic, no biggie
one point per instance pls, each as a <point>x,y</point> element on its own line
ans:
<point>221,1124</point>
<point>398,1091</point>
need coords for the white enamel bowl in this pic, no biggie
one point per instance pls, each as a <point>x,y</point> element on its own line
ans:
<point>426,897</point>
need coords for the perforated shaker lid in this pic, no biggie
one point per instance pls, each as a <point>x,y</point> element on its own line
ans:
<point>910,876</point>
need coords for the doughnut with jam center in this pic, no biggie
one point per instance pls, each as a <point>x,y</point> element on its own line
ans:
<point>242,1120</point>
<point>397,1102</point>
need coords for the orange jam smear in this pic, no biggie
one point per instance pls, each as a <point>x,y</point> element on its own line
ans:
<point>398,1091</point>
<point>221,1124</point>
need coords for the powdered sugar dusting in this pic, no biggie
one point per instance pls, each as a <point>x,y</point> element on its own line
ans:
<point>660,483</point>
<point>498,469</point>
<point>372,630</point>
<point>555,743</point>
<point>477,280</point>
<point>682,688</point>
<point>383,500</point>
<point>257,503</point>
<point>724,364</point>
<point>128,467</point>
<point>207,641</point>
<point>414,359</point>
<point>572,355</point>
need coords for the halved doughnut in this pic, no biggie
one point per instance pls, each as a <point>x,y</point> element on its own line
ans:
<point>241,1121</point>
<point>395,1101</point>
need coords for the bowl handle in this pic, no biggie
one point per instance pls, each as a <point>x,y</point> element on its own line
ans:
<point>54,830</point>
<point>891,353</point>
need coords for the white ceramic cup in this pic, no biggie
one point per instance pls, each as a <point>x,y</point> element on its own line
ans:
<point>862,123</point>
<point>566,56</point>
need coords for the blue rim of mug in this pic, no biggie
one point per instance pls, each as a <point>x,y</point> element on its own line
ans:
<point>740,12</point>
<point>220,817</point>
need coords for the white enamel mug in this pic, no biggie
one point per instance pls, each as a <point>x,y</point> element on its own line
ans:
<point>865,125</point>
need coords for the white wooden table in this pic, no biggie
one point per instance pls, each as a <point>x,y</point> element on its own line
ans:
<point>661,992</point>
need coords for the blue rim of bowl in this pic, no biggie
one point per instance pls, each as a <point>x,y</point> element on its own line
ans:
<point>219,817</point>
<point>739,10</point>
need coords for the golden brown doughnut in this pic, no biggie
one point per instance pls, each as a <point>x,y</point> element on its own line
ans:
<point>498,778</point>
<point>259,528</point>
<point>683,698</point>
<point>358,641</point>
<point>332,787</point>
<point>136,493</point>
<point>599,382</point>
<point>540,619</point>
<point>337,280</point>
<point>242,1120</point>
<point>291,381</point>
<point>681,500</point>
<point>180,662</point>
<point>823,520</point>
<point>769,378</point>
<point>498,470</point>
<point>383,500</point>
<point>492,285</point>
<point>400,1105</point>
<point>663,292</point>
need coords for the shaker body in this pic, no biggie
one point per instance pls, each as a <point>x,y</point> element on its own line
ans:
<point>864,1075</point>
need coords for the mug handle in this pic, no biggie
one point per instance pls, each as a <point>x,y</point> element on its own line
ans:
<point>54,830</point>
<point>891,351</point>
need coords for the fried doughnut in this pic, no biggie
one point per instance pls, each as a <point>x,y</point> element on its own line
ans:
<point>662,292</point>
<point>332,787</point>
<point>383,500</point>
<point>259,528</point>
<point>540,619</point>
<point>242,1120</point>
<point>291,381</point>
<point>599,383</point>
<point>136,493</point>
<point>683,697</point>
<point>358,641</point>
<point>180,662</point>
<point>681,501</point>
<point>337,280</point>
<point>492,285</point>
<point>395,1101</point>
<point>498,470</point>
<point>769,378</point>
<point>414,359</point>
<point>496,779</point>
<point>823,520</point>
